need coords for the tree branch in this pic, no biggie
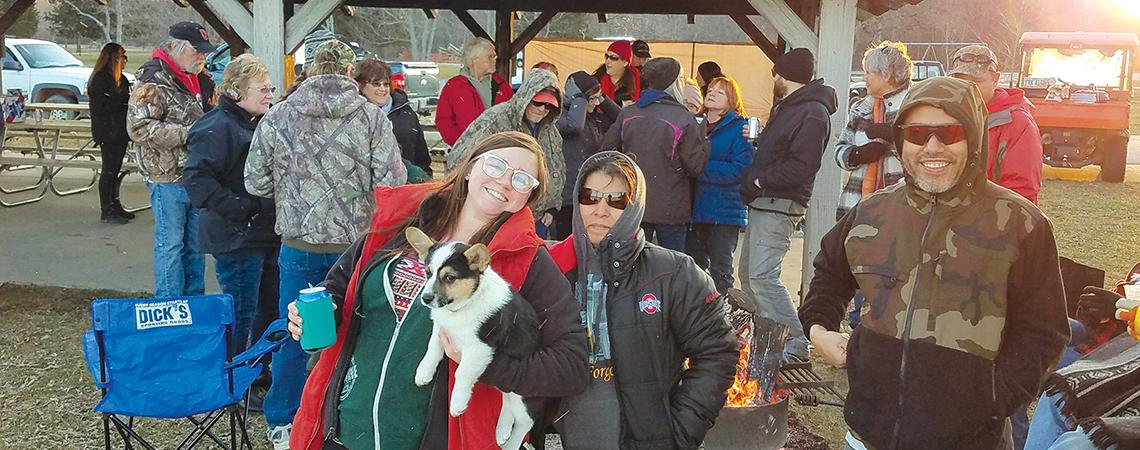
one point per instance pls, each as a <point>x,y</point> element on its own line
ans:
<point>106,32</point>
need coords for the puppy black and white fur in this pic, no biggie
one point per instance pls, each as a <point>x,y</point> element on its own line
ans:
<point>481,314</point>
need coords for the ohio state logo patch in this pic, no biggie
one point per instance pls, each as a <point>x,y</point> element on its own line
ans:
<point>205,35</point>
<point>649,304</point>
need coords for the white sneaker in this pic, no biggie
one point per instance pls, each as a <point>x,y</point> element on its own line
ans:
<point>279,436</point>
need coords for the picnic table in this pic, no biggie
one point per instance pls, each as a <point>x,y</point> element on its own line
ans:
<point>55,111</point>
<point>51,146</point>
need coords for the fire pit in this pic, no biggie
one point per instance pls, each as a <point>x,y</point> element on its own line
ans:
<point>755,415</point>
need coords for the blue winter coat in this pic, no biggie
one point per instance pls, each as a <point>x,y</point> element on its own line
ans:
<point>717,198</point>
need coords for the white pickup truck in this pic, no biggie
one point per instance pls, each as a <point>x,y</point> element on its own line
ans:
<point>44,71</point>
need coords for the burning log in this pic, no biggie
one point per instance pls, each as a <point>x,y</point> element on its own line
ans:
<point>755,415</point>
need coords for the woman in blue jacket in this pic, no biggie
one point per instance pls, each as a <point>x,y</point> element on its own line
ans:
<point>235,226</point>
<point>718,212</point>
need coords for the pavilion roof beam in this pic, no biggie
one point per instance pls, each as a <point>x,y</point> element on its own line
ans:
<point>471,24</point>
<point>430,13</point>
<point>306,19</point>
<point>531,31</point>
<point>235,14</point>
<point>15,10</point>
<point>790,26</point>
<point>749,28</point>
<point>237,44</point>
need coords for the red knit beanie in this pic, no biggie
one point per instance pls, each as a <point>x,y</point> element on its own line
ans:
<point>623,49</point>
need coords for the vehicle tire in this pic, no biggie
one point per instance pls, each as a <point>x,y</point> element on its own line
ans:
<point>1115,160</point>
<point>62,115</point>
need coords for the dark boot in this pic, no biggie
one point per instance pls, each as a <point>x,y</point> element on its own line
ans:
<point>109,215</point>
<point>118,207</point>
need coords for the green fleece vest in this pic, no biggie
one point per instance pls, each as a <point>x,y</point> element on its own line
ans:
<point>380,405</point>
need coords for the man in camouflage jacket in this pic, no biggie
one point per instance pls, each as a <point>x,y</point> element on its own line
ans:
<point>964,310</point>
<point>172,94</point>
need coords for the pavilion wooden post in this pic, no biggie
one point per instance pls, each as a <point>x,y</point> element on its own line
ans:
<point>268,41</point>
<point>504,34</point>
<point>833,64</point>
<point>9,17</point>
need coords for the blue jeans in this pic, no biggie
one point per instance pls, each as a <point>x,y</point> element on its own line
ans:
<point>711,247</point>
<point>298,269</point>
<point>671,237</point>
<point>178,267</point>
<point>540,228</point>
<point>250,277</point>
<point>1048,423</point>
<point>766,241</point>
<point>856,314</point>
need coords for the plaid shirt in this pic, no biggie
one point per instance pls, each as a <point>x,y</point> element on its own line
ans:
<point>854,135</point>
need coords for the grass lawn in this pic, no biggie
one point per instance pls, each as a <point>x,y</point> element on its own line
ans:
<point>46,393</point>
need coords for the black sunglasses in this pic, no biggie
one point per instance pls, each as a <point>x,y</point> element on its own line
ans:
<point>613,57</point>
<point>615,200</point>
<point>972,58</point>
<point>548,106</point>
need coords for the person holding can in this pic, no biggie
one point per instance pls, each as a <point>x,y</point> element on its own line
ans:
<point>361,392</point>
<point>718,212</point>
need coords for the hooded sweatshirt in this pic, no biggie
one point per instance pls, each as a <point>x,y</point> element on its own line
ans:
<point>319,155</point>
<point>790,148</point>
<point>964,311</point>
<point>647,310</point>
<point>1015,144</point>
<point>511,116</point>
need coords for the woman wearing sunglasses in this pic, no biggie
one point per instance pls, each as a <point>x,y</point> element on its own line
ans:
<point>234,225</point>
<point>361,393</point>
<point>533,110</point>
<point>620,81</point>
<point>646,310</point>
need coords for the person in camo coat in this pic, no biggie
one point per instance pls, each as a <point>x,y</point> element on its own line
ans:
<point>964,310</point>
<point>513,115</point>
<point>319,154</point>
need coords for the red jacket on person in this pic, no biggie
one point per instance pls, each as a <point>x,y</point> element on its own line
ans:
<point>517,254</point>
<point>459,104</point>
<point>1015,154</point>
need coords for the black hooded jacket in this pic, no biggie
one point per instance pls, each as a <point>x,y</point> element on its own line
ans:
<point>409,134</point>
<point>790,148</point>
<point>662,311</point>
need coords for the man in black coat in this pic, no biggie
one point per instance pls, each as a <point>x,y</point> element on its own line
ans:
<point>779,184</point>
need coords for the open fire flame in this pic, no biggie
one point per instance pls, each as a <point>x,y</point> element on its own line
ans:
<point>744,391</point>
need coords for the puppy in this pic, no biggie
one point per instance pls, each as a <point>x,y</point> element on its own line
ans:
<point>482,315</point>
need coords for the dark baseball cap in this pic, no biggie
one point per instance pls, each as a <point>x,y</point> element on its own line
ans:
<point>641,49</point>
<point>195,34</point>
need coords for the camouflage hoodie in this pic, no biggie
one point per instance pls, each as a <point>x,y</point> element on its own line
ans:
<point>319,154</point>
<point>965,312</point>
<point>159,115</point>
<point>509,116</point>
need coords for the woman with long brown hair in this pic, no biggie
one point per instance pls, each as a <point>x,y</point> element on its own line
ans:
<point>109,91</point>
<point>620,81</point>
<point>361,392</point>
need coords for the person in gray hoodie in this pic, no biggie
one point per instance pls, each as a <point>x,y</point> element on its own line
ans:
<point>533,110</point>
<point>586,115</point>
<point>319,155</point>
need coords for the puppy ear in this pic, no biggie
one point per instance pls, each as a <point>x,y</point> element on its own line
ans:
<point>478,258</point>
<point>420,241</point>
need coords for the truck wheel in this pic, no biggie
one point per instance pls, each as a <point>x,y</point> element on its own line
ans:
<point>62,115</point>
<point>1112,167</point>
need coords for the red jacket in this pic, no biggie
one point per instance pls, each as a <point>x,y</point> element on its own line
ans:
<point>1015,155</point>
<point>460,104</point>
<point>513,251</point>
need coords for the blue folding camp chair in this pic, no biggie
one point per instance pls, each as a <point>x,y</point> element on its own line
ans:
<point>167,358</point>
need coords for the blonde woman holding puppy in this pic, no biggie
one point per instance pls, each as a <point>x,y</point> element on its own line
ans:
<point>362,394</point>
